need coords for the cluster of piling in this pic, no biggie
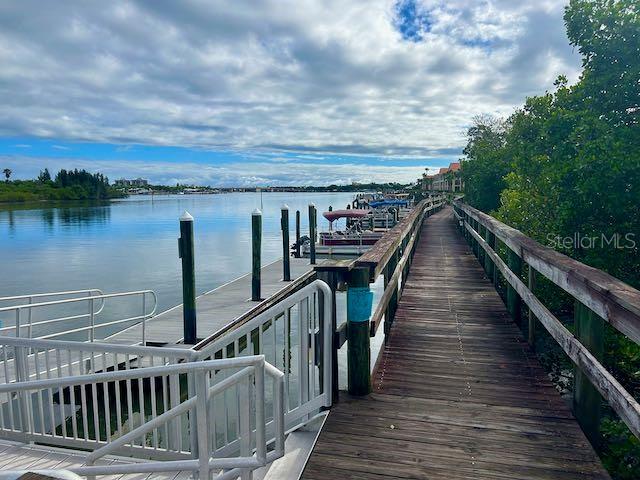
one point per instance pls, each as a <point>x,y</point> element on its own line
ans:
<point>186,252</point>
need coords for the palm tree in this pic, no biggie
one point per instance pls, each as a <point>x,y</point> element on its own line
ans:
<point>7,174</point>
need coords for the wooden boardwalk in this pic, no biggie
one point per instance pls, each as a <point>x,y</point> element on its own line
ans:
<point>457,394</point>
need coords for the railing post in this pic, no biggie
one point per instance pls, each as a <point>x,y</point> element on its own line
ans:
<point>390,312</point>
<point>514,262</point>
<point>488,263</point>
<point>359,301</point>
<point>482,258</point>
<point>144,319</point>
<point>330,277</point>
<point>256,253</point>
<point>476,245</point>
<point>186,251</point>
<point>531,277</point>
<point>284,224</point>
<point>92,318</point>
<point>244,407</point>
<point>312,233</point>
<point>21,366</point>
<point>200,423</point>
<point>297,233</point>
<point>29,320</point>
<point>491,240</point>
<point>586,399</point>
<point>17,323</point>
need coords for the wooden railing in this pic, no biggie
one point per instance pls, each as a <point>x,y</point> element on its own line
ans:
<point>390,256</point>
<point>599,297</point>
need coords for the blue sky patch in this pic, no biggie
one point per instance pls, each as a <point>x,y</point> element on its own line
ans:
<point>411,21</point>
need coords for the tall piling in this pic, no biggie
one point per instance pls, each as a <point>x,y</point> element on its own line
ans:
<point>186,253</point>
<point>284,225</point>
<point>297,233</point>
<point>312,233</point>
<point>256,253</point>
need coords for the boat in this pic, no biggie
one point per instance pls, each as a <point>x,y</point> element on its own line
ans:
<point>355,239</point>
<point>389,202</point>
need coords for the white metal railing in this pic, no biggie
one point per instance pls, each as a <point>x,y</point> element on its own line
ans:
<point>64,416</point>
<point>29,298</point>
<point>148,402</point>
<point>67,293</point>
<point>209,384</point>
<point>295,336</point>
<point>53,326</point>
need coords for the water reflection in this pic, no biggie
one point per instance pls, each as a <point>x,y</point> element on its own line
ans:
<point>132,244</point>
<point>82,215</point>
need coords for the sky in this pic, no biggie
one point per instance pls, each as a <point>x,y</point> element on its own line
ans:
<point>269,92</point>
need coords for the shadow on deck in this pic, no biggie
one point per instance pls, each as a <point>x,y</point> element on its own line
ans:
<point>458,394</point>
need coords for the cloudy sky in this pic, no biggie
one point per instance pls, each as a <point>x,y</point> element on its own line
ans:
<point>265,92</point>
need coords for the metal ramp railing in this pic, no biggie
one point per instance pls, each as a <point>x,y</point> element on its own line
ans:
<point>60,317</point>
<point>179,408</point>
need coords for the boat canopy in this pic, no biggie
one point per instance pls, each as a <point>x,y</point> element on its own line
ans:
<point>350,213</point>
<point>388,203</point>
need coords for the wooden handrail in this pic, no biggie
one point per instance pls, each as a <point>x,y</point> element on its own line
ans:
<point>612,299</point>
<point>615,301</point>
<point>392,285</point>
<point>377,258</point>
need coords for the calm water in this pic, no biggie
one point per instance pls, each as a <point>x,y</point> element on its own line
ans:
<point>132,244</point>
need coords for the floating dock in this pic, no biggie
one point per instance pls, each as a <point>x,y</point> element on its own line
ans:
<point>214,309</point>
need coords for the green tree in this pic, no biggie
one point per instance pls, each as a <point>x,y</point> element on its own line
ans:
<point>485,164</point>
<point>44,176</point>
<point>568,162</point>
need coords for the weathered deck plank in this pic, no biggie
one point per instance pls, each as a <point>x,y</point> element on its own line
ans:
<point>458,394</point>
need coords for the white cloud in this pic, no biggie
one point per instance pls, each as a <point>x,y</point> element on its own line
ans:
<point>308,76</point>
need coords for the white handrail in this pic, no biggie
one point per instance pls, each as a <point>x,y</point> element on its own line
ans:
<point>250,378</point>
<point>91,299</point>
<point>51,294</point>
<point>90,291</point>
<point>308,322</point>
<point>295,335</point>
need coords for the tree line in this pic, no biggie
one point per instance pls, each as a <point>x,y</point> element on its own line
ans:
<point>66,185</point>
<point>568,162</point>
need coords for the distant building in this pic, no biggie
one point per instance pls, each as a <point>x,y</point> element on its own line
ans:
<point>136,182</point>
<point>448,179</point>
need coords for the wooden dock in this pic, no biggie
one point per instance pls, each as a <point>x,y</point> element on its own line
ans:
<point>215,309</point>
<point>457,394</point>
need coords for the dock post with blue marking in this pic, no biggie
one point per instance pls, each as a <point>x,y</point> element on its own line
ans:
<point>359,303</point>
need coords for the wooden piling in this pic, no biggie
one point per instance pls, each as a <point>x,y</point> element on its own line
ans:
<point>284,225</point>
<point>297,233</point>
<point>256,253</point>
<point>312,233</point>
<point>359,301</point>
<point>186,254</point>
<point>586,399</point>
